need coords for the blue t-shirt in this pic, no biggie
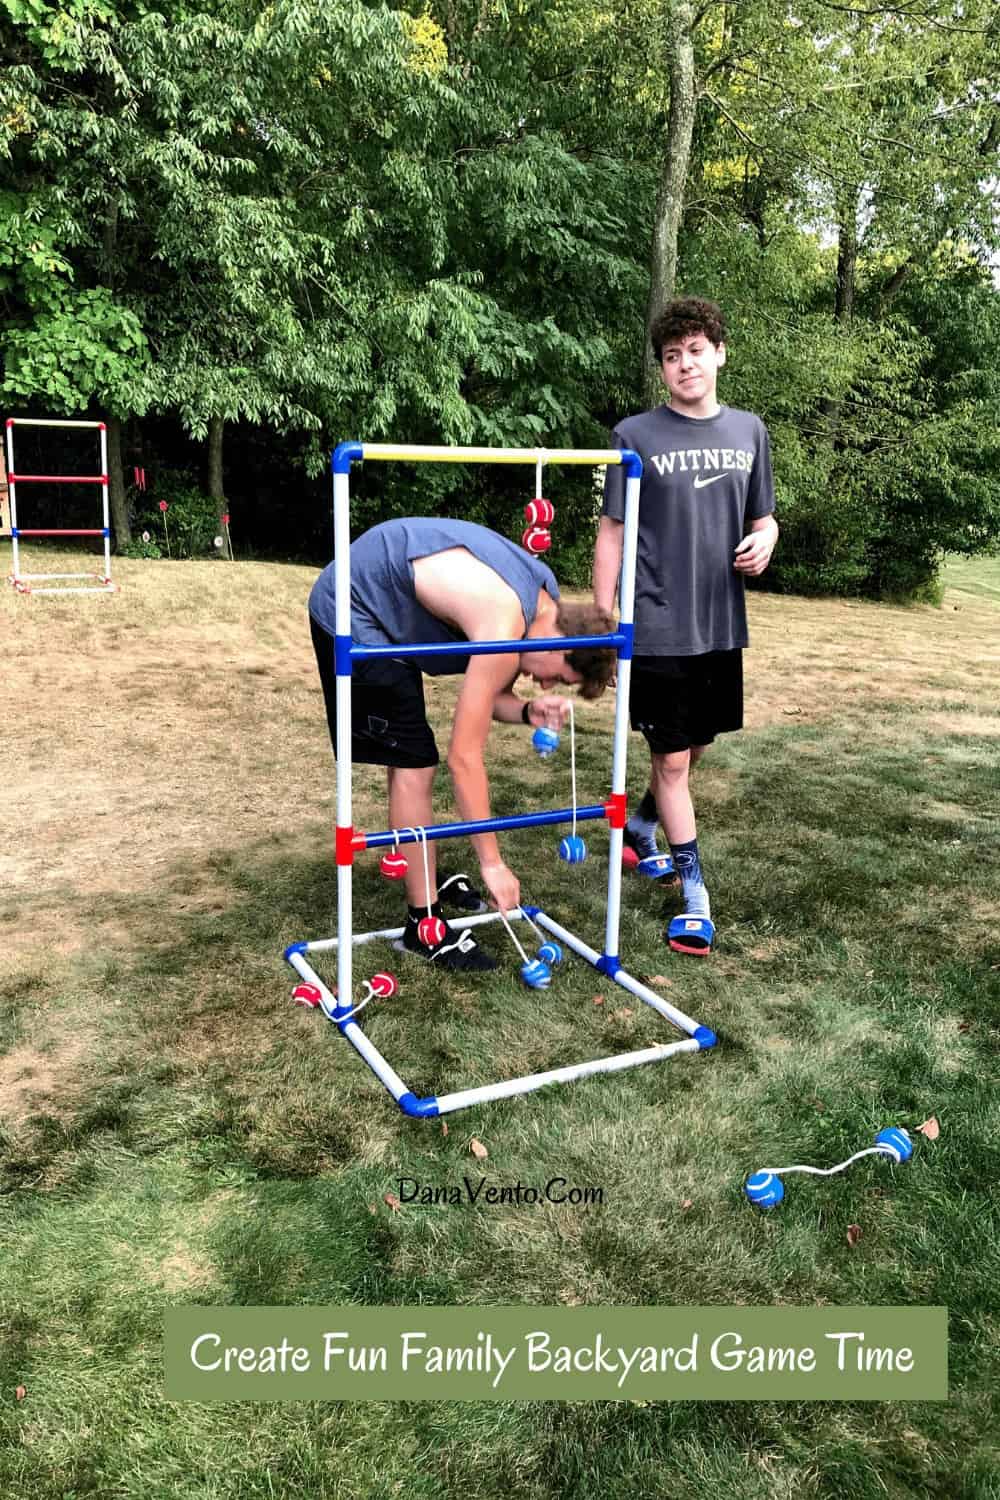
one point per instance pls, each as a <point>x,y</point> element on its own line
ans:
<point>703,480</point>
<point>385,610</point>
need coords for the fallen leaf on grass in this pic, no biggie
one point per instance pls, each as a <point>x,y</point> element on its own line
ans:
<point>393,1202</point>
<point>964,1026</point>
<point>372,1209</point>
<point>20,1393</point>
<point>930,1128</point>
<point>478,1149</point>
<point>687,1203</point>
<point>853,1234</point>
<point>444,1127</point>
<point>626,1010</point>
<point>660,979</point>
<point>598,999</point>
<point>791,710</point>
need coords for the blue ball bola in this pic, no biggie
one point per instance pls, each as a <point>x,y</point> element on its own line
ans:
<point>546,742</point>
<point>536,975</point>
<point>550,953</point>
<point>573,850</point>
<point>764,1189</point>
<point>895,1142</point>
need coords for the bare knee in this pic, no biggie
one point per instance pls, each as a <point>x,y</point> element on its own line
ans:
<point>671,770</point>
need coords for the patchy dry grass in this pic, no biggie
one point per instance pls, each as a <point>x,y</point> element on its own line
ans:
<point>171,1130</point>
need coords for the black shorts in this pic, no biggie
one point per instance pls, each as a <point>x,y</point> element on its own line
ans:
<point>680,701</point>
<point>388,718</point>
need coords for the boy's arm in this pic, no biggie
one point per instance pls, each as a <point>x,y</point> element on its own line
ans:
<point>608,561</point>
<point>754,552</point>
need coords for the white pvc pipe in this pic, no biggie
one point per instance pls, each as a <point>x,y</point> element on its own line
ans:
<point>12,498</point>
<point>622,1060</point>
<point>342,626</point>
<point>322,945</point>
<point>619,760</point>
<point>105,487</point>
<point>634,986</point>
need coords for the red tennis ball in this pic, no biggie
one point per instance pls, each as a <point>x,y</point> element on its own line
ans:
<point>384,985</point>
<point>431,931</point>
<point>537,539</point>
<point>540,512</point>
<point>629,859</point>
<point>306,995</point>
<point>393,866</point>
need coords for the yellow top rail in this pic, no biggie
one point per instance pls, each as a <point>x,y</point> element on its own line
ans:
<point>425,454</point>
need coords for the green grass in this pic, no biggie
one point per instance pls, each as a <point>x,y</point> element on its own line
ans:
<point>193,1138</point>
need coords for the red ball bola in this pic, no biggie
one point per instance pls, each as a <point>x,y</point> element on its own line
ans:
<point>393,866</point>
<point>539,512</point>
<point>431,931</point>
<point>384,985</point>
<point>537,539</point>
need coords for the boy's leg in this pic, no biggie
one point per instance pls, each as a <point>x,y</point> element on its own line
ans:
<point>411,806</point>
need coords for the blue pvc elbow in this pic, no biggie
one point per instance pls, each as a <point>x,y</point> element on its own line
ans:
<point>295,948</point>
<point>344,455</point>
<point>705,1037</point>
<point>631,463</point>
<point>418,1109</point>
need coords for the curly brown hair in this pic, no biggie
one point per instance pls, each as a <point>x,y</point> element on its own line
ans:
<point>684,316</point>
<point>597,665</point>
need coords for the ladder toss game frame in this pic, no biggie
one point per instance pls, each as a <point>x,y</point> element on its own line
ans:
<point>341,1011</point>
<point>24,583</point>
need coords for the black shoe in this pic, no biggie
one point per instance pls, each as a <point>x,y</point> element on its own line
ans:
<point>458,892</point>
<point>457,951</point>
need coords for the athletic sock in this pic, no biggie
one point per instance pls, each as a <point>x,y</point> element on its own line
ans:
<point>688,866</point>
<point>642,823</point>
<point>414,913</point>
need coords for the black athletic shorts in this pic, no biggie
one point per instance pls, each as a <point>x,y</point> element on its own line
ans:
<point>680,701</point>
<point>388,718</point>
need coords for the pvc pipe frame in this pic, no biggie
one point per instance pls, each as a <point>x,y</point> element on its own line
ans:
<point>23,581</point>
<point>338,1010</point>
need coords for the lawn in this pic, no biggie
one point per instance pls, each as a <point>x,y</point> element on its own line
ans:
<point>172,1130</point>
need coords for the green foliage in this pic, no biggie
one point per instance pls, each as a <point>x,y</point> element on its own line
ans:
<point>432,224</point>
<point>192,517</point>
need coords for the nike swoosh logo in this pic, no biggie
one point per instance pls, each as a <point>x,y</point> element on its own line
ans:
<point>700,483</point>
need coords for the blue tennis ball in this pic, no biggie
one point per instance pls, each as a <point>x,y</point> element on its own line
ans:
<point>536,975</point>
<point>573,850</point>
<point>546,742</point>
<point>764,1189</point>
<point>895,1142</point>
<point>550,953</point>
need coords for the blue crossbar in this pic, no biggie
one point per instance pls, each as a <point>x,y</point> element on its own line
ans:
<point>484,825</point>
<point>490,648</point>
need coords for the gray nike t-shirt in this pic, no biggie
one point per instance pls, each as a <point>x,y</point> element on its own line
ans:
<point>385,610</point>
<point>703,481</point>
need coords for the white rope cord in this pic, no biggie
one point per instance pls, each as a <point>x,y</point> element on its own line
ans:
<point>513,938</point>
<point>572,757</point>
<point>420,835</point>
<point>829,1171</point>
<point>361,1003</point>
<point>539,461</point>
<point>534,924</point>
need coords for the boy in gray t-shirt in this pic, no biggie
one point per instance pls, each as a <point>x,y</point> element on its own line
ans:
<point>706,523</point>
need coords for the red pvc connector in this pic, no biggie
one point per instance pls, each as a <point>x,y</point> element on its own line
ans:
<point>616,809</point>
<point>345,845</point>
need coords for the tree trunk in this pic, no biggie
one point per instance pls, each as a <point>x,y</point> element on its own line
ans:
<point>843,304</point>
<point>673,179</point>
<point>116,485</point>
<point>216,427</point>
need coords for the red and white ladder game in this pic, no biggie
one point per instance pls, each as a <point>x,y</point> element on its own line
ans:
<point>25,583</point>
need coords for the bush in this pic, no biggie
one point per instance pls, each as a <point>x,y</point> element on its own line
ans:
<point>192,519</point>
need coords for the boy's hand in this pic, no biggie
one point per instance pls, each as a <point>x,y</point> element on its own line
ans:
<point>754,553</point>
<point>550,711</point>
<point>503,886</point>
